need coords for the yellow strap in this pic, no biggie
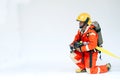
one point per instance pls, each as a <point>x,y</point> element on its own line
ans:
<point>107,52</point>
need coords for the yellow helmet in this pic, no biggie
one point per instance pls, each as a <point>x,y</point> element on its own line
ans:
<point>85,17</point>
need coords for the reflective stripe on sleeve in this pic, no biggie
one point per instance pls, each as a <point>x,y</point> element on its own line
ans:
<point>87,48</point>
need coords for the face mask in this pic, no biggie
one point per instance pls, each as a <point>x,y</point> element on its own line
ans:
<point>81,26</point>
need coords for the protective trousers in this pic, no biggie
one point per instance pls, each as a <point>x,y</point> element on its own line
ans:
<point>84,61</point>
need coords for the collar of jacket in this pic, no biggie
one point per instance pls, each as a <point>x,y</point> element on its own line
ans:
<point>88,27</point>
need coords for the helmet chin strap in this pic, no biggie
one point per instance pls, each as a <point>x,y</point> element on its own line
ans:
<point>86,21</point>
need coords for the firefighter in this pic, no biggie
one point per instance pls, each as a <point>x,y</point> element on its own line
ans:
<point>85,56</point>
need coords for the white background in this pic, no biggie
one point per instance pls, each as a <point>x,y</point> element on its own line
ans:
<point>35,37</point>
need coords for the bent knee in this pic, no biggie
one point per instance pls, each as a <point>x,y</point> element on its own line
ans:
<point>72,56</point>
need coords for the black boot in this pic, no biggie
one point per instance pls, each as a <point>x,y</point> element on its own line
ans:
<point>80,71</point>
<point>108,66</point>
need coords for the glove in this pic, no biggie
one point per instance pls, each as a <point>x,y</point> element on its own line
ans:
<point>71,48</point>
<point>77,46</point>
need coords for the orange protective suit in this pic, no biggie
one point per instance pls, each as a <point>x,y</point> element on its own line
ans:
<point>86,59</point>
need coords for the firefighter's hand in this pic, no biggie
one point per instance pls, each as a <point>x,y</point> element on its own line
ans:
<point>77,44</point>
<point>71,48</point>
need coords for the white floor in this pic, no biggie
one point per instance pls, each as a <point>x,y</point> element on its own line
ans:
<point>52,71</point>
<point>60,76</point>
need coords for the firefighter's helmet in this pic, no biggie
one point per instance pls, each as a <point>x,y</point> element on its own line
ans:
<point>84,17</point>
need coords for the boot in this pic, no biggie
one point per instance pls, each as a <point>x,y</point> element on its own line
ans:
<point>80,71</point>
<point>108,66</point>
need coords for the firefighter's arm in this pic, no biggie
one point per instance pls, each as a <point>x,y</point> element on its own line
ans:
<point>77,37</point>
<point>92,42</point>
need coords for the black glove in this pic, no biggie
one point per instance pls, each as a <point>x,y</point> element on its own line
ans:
<point>77,45</point>
<point>71,48</point>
